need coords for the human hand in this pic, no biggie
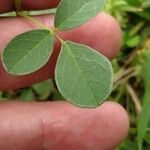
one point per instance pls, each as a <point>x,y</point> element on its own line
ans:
<point>59,125</point>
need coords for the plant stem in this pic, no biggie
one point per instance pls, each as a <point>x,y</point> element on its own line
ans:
<point>53,30</point>
<point>122,73</point>
<point>137,28</point>
<point>29,12</point>
<point>18,5</point>
<point>34,21</point>
<point>134,98</point>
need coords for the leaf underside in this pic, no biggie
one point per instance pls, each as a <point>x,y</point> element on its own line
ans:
<point>28,52</point>
<point>83,76</point>
<point>73,13</point>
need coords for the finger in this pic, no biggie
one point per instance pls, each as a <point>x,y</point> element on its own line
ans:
<point>59,125</point>
<point>8,5</point>
<point>102,33</point>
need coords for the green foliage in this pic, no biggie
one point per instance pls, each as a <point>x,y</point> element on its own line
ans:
<point>83,76</point>
<point>43,89</point>
<point>71,14</point>
<point>128,145</point>
<point>145,14</point>
<point>18,5</point>
<point>28,52</point>
<point>27,95</point>
<point>133,16</point>
<point>145,114</point>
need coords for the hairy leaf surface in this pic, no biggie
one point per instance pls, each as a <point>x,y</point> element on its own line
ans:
<point>73,13</point>
<point>83,76</point>
<point>28,52</point>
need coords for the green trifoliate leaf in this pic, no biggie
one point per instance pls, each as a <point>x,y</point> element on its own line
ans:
<point>83,76</point>
<point>28,52</point>
<point>73,13</point>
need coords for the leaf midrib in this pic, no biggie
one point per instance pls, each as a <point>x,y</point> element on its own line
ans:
<point>69,50</point>
<point>28,53</point>
<point>72,15</point>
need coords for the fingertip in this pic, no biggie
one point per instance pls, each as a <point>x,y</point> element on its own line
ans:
<point>119,122</point>
<point>104,127</point>
<point>102,33</point>
<point>112,34</point>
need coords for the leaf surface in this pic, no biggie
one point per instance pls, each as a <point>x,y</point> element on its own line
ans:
<point>73,13</point>
<point>28,52</point>
<point>43,89</point>
<point>145,114</point>
<point>27,95</point>
<point>83,76</point>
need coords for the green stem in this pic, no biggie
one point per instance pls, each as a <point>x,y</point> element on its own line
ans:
<point>53,30</point>
<point>34,21</point>
<point>30,13</point>
<point>18,5</point>
<point>137,28</point>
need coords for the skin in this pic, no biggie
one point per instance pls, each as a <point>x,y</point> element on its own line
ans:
<point>59,125</point>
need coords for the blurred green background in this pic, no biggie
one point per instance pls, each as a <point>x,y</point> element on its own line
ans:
<point>131,72</point>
